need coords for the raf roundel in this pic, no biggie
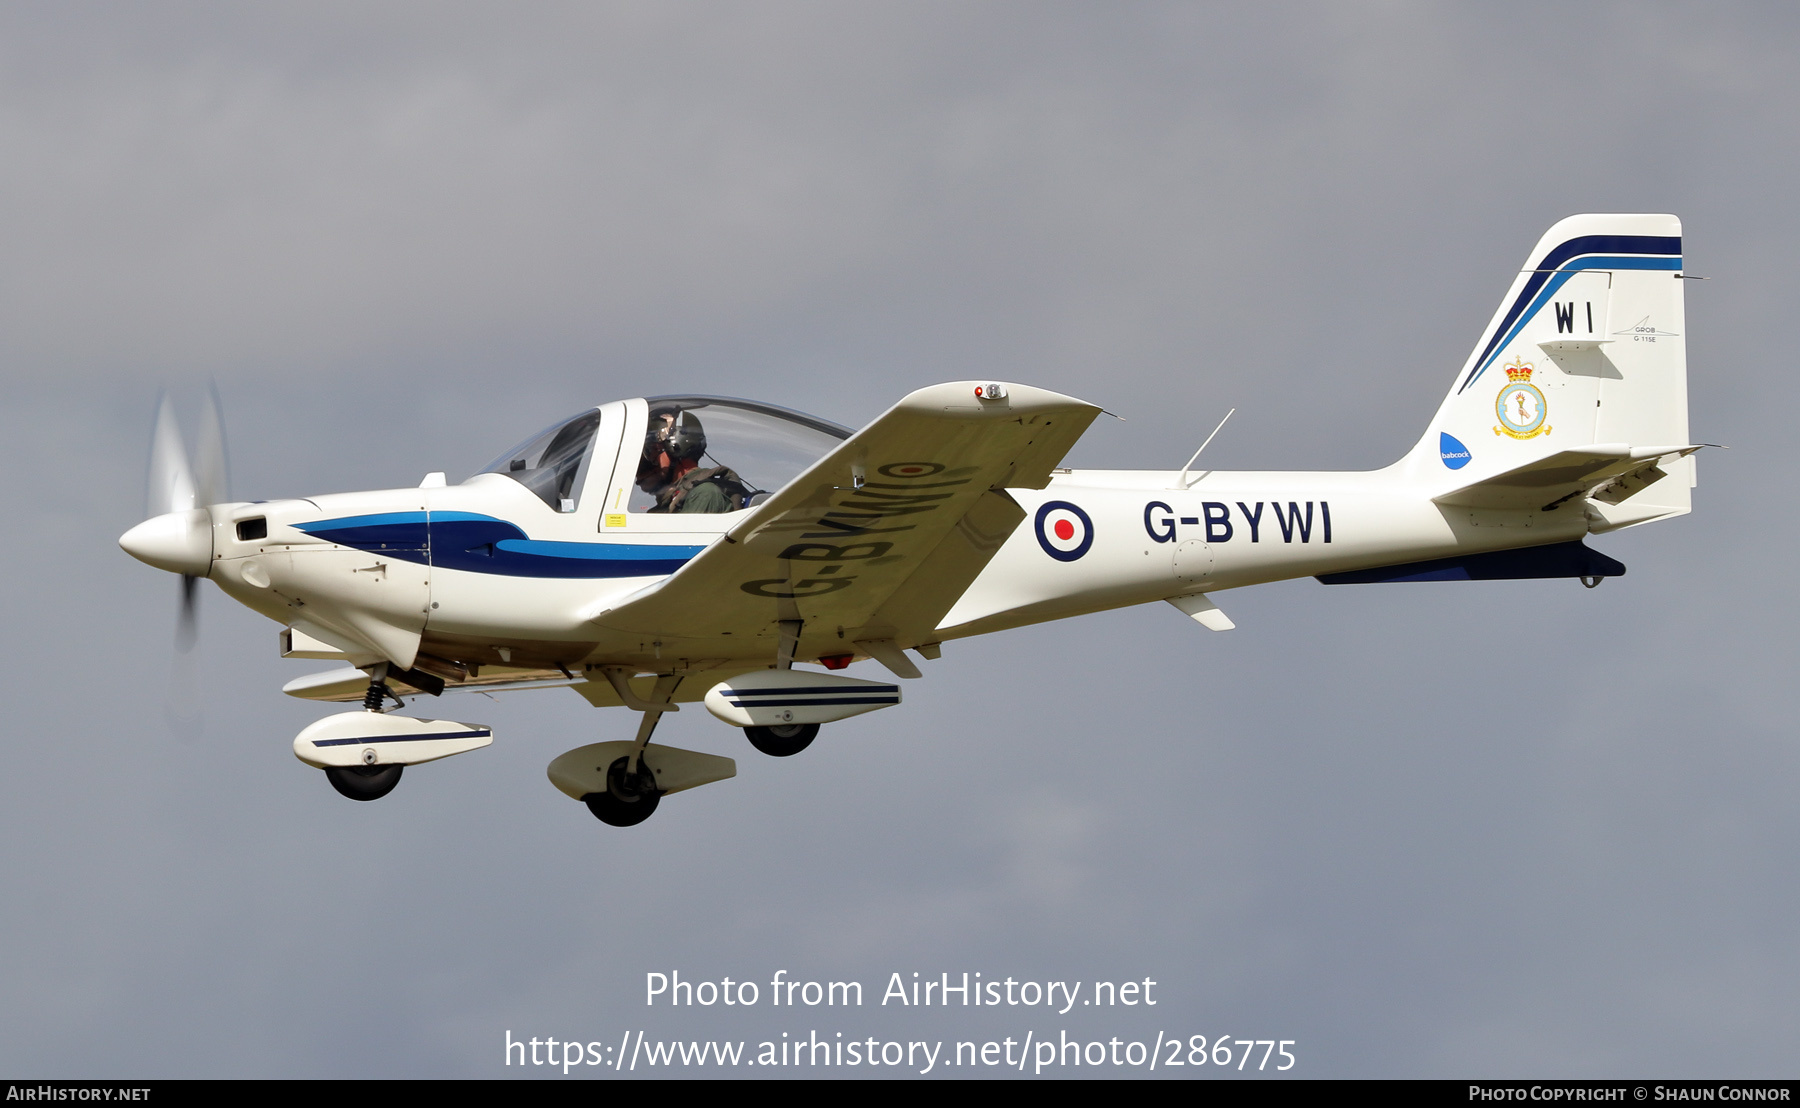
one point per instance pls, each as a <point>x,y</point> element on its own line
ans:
<point>1064,531</point>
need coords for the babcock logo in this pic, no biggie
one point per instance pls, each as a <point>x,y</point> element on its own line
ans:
<point>1454,454</point>
<point>1063,530</point>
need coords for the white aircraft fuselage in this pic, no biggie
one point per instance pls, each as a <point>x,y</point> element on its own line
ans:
<point>646,542</point>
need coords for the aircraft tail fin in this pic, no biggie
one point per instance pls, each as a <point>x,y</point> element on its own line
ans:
<point>1587,347</point>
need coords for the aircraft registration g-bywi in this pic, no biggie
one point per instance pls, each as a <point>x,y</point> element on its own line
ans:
<point>656,552</point>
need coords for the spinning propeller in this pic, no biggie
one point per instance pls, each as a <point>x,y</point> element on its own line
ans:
<point>177,536</point>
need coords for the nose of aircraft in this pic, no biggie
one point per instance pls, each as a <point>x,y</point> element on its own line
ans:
<point>180,542</point>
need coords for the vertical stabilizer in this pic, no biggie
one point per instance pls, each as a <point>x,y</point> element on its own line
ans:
<point>1588,346</point>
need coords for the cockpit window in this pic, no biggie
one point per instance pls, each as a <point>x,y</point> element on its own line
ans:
<point>707,454</point>
<point>553,463</point>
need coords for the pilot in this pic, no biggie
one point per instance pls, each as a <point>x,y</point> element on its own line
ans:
<point>670,469</point>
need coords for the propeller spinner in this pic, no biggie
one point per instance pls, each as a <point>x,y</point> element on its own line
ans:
<point>177,536</point>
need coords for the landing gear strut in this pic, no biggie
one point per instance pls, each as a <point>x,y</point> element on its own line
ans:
<point>378,692</point>
<point>786,739</point>
<point>783,741</point>
<point>630,796</point>
<point>369,781</point>
<point>631,793</point>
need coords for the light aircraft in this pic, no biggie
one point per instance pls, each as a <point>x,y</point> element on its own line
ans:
<point>659,552</point>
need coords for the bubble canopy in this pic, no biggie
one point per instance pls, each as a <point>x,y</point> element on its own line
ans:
<point>763,446</point>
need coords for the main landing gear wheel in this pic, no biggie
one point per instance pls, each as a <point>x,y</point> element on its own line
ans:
<point>629,798</point>
<point>784,741</point>
<point>364,782</point>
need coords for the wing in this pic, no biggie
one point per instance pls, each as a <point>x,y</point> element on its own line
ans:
<point>878,538</point>
<point>348,684</point>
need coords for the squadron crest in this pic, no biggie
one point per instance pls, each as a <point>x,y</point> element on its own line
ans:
<point>1520,405</point>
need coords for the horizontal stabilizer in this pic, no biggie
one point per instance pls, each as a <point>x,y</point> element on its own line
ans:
<point>1562,559</point>
<point>1566,475</point>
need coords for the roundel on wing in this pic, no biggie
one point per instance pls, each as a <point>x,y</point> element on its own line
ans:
<point>1063,530</point>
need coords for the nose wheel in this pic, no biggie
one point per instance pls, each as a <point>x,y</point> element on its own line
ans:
<point>629,798</point>
<point>784,741</point>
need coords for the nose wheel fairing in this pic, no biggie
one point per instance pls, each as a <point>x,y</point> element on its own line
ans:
<point>599,775</point>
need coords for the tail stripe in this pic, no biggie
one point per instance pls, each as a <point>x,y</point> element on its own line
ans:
<point>1550,274</point>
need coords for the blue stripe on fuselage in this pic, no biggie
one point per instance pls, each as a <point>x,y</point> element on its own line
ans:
<point>483,544</point>
<point>394,533</point>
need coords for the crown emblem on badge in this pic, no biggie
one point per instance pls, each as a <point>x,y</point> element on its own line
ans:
<point>1518,371</point>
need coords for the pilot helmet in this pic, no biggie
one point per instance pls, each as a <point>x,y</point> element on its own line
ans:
<point>686,438</point>
<point>656,432</point>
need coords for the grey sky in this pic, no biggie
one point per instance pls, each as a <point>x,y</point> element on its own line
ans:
<point>1433,830</point>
